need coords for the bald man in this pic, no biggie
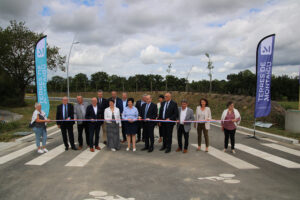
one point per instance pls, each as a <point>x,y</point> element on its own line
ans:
<point>65,111</point>
<point>168,111</point>
<point>93,112</point>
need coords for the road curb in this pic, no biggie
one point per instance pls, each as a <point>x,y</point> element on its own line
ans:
<point>250,131</point>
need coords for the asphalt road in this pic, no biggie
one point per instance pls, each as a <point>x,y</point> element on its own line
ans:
<point>259,170</point>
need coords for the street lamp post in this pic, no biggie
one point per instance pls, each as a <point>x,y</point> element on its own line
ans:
<point>68,84</point>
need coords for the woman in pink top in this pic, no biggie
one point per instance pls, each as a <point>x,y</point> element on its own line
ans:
<point>230,120</point>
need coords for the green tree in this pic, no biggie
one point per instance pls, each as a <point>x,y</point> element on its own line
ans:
<point>17,45</point>
<point>100,80</point>
<point>57,84</point>
<point>80,82</point>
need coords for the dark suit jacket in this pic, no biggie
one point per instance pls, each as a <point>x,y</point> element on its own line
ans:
<point>138,105</point>
<point>90,114</point>
<point>70,113</point>
<point>151,114</point>
<point>104,104</point>
<point>171,111</point>
<point>119,104</point>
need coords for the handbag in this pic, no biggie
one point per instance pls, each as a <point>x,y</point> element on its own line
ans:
<point>31,125</point>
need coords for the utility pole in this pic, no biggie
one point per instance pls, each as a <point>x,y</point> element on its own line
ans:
<point>209,67</point>
<point>68,63</point>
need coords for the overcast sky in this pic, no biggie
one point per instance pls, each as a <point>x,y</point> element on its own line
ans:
<point>127,37</point>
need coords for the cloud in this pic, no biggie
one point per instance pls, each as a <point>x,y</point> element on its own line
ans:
<point>196,69</point>
<point>126,37</point>
<point>153,55</point>
<point>227,67</point>
<point>15,9</point>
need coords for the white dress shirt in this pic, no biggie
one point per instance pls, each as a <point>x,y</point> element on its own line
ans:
<point>95,109</point>
<point>182,115</point>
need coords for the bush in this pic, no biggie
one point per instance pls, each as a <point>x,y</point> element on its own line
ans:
<point>4,127</point>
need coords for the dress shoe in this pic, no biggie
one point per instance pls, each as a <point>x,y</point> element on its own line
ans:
<point>150,149</point>
<point>80,147</point>
<point>138,141</point>
<point>162,149</point>
<point>185,151</point>
<point>178,149</point>
<point>67,148</point>
<point>92,149</point>
<point>168,151</point>
<point>144,149</point>
<point>105,142</point>
<point>123,141</point>
<point>98,148</point>
<point>74,148</point>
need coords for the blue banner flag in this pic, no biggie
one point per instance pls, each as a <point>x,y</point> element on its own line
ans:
<point>40,58</point>
<point>264,63</point>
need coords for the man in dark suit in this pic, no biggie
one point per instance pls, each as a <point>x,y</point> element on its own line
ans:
<point>65,111</point>
<point>149,111</point>
<point>93,112</point>
<point>168,111</point>
<point>117,100</point>
<point>139,105</point>
<point>103,103</point>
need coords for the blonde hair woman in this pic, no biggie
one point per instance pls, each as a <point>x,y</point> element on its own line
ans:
<point>39,122</point>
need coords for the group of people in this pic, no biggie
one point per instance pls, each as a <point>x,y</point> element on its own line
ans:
<point>136,120</point>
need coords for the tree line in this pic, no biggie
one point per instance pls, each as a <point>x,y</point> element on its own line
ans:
<point>242,83</point>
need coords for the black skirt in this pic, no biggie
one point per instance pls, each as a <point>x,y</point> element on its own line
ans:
<point>130,128</point>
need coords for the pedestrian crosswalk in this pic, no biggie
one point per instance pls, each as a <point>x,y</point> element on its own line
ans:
<point>42,159</point>
<point>21,152</point>
<point>267,156</point>
<point>229,159</point>
<point>283,148</point>
<point>82,158</point>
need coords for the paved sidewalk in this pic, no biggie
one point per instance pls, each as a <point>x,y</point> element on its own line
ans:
<point>8,116</point>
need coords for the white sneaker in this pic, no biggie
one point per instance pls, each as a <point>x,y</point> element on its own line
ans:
<point>40,151</point>
<point>134,149</point>
<point>127,149</point>
<point>113,149</point>
<point>45,150</point>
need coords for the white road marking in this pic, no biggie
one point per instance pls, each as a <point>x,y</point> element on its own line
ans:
<point>229,159</point>
<point>53,133</point>
<point>21,152</point>
<point>269,157</point>
<point>269,140</point>
<point>42,159</point>
<point>226,178</point>
<point>83,158</point>
<point>18,153</point>
<point>282,148</point>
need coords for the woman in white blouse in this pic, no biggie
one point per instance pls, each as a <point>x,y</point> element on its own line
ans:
<point>203,113</point>
<point>112,115</point>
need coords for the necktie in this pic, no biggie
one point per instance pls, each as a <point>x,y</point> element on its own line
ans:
<point>66,114</point>
<point>146,111</point>
<point>165,109</point>
<point>100,100</point>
